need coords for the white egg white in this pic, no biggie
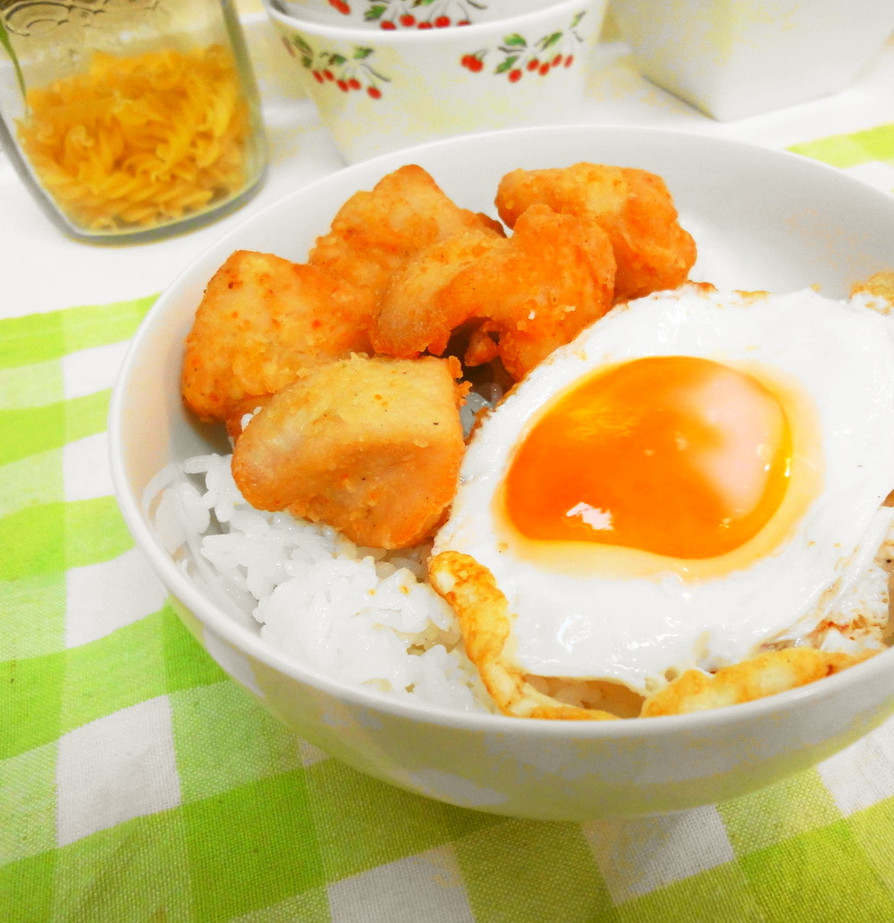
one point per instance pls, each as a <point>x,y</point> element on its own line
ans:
<point>654,618</point>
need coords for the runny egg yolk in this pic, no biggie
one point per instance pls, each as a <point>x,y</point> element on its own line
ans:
<point>674,455</point>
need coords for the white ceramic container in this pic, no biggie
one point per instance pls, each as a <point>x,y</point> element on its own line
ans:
<point>762,220</point>
<point>409,14</point>
<point>734,59</point>
<point>378,91</point>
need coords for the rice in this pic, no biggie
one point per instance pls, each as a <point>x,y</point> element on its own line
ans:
<point>358,615</point>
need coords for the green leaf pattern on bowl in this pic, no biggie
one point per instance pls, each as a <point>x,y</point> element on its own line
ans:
<point>414,14</point>
<point>347,73</point>
<point>516,56</point>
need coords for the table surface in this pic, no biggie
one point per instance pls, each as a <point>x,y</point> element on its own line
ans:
<point>138,782</point>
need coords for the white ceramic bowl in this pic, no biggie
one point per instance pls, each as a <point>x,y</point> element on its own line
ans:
<point>408,14</point>
<point>762,220</point>
<point>732,59</point>
<point>378,91</point>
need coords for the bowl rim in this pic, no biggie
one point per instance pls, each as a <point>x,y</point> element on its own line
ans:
<point>397,37</point>
<point>212,616</point>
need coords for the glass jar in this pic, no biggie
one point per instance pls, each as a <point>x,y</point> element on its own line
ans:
<point>130,119</point>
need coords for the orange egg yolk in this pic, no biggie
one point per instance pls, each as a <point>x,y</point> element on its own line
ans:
<point>675,455</point>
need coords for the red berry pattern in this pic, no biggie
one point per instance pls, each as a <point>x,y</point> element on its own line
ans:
<point>420,14</point>
<point>346,74</point>
<point>517,57</point>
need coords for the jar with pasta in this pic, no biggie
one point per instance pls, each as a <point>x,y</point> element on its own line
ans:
<point>130,119</point>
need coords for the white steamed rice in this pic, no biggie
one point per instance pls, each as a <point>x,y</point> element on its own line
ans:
<point>357,615</point>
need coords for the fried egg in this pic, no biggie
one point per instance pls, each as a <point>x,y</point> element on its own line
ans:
<point>695,478</point>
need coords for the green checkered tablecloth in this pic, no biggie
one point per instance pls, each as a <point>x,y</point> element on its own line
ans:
<point>139,783</point>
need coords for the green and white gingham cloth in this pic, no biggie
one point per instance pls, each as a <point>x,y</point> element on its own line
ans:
<point>139,783</point>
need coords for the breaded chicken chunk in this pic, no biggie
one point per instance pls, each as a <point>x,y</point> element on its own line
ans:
<point>653,252</point>
<point>414,315</point>
<point>376,231</point>
<point>263,320</point>
<point>524,295</point>
<point>371,446</point>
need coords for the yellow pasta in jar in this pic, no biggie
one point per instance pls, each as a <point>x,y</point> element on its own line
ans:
<point>140,141</point>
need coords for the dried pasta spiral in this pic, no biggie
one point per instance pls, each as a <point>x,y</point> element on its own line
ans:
<point>140,141</point>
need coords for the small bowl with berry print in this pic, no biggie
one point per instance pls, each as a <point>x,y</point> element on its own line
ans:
<point>409,14</point>
<point>379,90</point>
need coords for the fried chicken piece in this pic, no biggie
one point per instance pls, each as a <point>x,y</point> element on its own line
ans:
<point>653,252</point>
<point>371,446</point>
<point>524,295</point>
<point>554,277</point>
<point>261,321</point>
<point>376,231</point>
<point>414,315</point>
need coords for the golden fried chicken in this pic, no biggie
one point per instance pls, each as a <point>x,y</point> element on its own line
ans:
<point>376,231</point>
<point>522,296</point>
<point>261,321</point>
<point>635,208</point>
<point>371,446</point>
<point>413,315</point>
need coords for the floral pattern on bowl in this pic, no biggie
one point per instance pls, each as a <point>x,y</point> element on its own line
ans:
<point>411,87</point>
<point>347,73</point>
<point>517,56</point>
<point>414,14</point>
